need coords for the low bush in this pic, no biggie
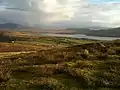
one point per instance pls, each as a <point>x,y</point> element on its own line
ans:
<point>102,56</point>
<point>5,74</point>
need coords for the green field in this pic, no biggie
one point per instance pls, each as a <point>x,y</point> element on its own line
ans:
<point>58,63</point>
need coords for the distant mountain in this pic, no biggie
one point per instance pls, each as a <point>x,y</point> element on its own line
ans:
<point>10,26</point>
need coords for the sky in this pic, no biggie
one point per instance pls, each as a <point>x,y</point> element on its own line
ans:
<point>61,13</point>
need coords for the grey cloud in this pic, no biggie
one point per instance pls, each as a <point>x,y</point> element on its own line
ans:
<point>18,9</point>
<point>21,4</point>
<point>60,13</point>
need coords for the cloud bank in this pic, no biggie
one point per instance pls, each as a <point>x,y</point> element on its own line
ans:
<point>61,13</point>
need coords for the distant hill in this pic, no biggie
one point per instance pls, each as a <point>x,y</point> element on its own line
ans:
<point>10,26</point>
<point>111,32</point>
<point>80,30</point>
